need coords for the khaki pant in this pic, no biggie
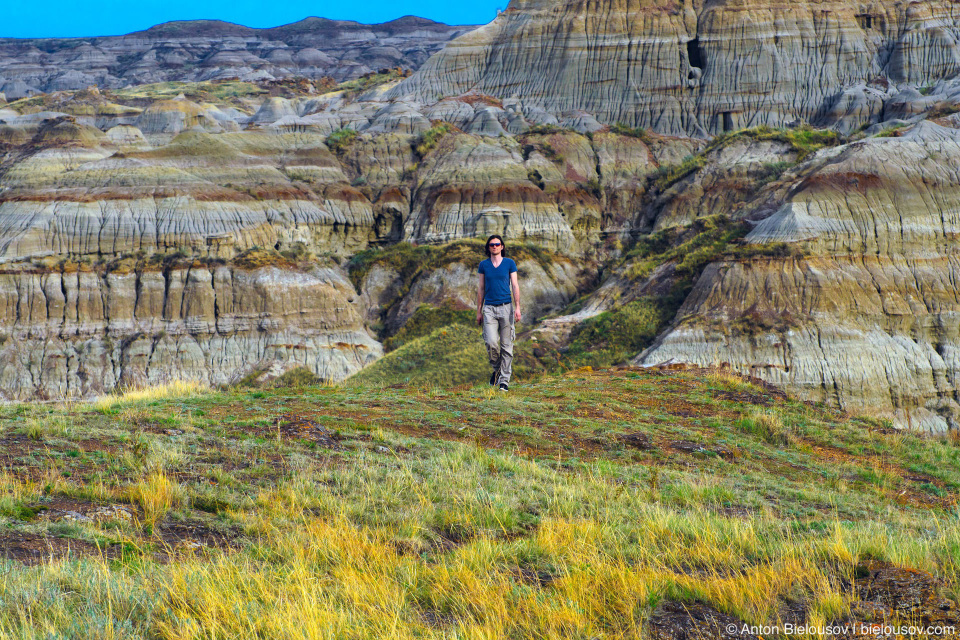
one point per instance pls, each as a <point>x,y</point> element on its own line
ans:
<point>499,333</point>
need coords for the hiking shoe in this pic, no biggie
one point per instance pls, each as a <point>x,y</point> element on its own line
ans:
<point>504,387</point>
<point>493,378</point>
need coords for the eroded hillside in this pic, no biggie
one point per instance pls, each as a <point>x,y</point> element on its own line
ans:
<point>224,230</point>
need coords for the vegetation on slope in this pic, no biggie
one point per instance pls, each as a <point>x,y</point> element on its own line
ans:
<point>804,141</point>
<point>580,506</point>
<point>410,261</point>
<point>426,141</point>
<point>450,355</point>
<point>619,334</point>
<point>224,91</point>
<point>428,318</point>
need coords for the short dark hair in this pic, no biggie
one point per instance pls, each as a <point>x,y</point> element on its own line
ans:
<point>503,250</point>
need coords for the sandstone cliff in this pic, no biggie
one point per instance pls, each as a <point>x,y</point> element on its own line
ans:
<point>863,312</point>
<point>698,68</point>
<point>821,259</point>
<point>75,330</point>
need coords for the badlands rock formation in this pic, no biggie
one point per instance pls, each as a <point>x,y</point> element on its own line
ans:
<point>864,313</point>
<point>207,49</point>
<point>73,330</point>
<point>125,232</point>
<point>700,67</point>
<point>146,234</point>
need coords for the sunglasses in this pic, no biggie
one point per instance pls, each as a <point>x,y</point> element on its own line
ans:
<point>494,244</point>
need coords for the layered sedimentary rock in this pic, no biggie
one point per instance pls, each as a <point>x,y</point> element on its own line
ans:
<point>176,184</point>
<point>547,288</point>
<point>864,313</point>
<point>69,189</point>
<point>70,330</point>
<point>207,49</point>
<point>696,67</point>
<point>843,291</point>
<point>209,195</point>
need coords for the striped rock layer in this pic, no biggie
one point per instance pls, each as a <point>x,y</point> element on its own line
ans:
<point>693,67</point>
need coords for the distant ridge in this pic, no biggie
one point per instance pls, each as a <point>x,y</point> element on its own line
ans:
<point>194,50</point>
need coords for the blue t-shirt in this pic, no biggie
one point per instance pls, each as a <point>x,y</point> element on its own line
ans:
<point>496,281</point>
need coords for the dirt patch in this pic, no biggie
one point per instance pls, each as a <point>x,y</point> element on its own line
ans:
<point>192,535</point>
<point>537,577</point>
<point>697,621</point>
<point>793,612</point>
<point>742,397</point>
<point>61,509</point>
<point>453,536</point>
<point>302,428</point>
<point>437,620</point>
<point>33,549</point>
<point>700,450</point>
<point>890,593</point>
<point>735,511</point>
<point>636,440</point>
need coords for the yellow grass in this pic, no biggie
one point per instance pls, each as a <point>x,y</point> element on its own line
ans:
<point>156,495</point>
<point>175,389</point>
<point>732,382</point>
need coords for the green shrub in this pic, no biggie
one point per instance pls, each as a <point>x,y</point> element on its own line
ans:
<point>623,130</point>
<point>594,187</point>
<point>669,175</point>
<point>340,140</point>
<point>771,171</point>
<point>430,138</point>
<point>545,129</point>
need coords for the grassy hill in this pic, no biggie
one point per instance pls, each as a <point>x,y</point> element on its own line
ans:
<point>610,504</point>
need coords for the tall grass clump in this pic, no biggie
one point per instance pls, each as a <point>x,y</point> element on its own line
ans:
<point>766,424</point>
<point>174,389</point>
<point>732,382</point>
<point>156,494</point>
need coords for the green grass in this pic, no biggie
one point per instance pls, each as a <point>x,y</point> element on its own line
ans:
<point>638,132</point>
<point>428,318</point>
<point>803,141</point>
<point>367,82</point>
<point>458,510</point>
<point>450,355</point>
<point>617,335</point>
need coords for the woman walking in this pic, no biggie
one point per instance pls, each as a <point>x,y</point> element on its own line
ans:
<point>498,280</point>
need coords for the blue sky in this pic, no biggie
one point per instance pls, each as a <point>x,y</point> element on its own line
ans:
<point>63,18</point>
